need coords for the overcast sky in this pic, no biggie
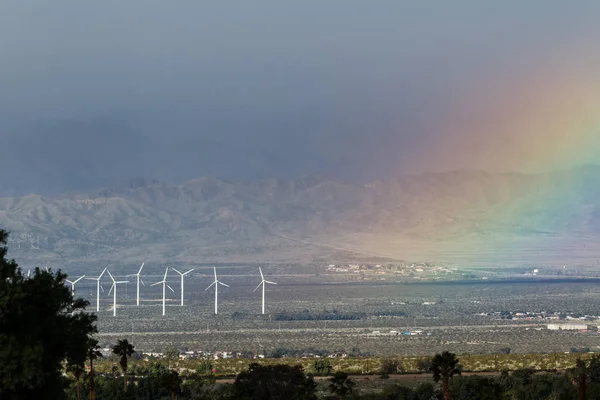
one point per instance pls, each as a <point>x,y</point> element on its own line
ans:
<point>93,93</point>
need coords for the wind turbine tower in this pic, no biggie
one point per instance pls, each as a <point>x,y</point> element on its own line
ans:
<point>164,283</point>
<point>74,282</point>
<point>216,282</point>
<point>263,282</point>
<point>114,290</point>
<point>182,275</point>
<point>138,280</point>
<point>98,287</point>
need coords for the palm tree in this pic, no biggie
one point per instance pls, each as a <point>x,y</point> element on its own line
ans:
<point>77,370</point>
<point>123,349</point>
<point>93,353</point>
<point>444,366</point>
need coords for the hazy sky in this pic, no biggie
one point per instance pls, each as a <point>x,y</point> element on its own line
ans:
<point>93,93</point>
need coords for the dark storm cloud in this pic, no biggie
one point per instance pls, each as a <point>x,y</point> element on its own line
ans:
<point>97,92</point>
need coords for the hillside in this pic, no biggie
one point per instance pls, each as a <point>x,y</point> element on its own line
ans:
<point>308,219</point>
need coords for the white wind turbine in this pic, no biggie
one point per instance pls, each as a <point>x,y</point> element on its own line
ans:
<point>113,288</point>
<point>216,283</point>
<point>182,275</point>
<point>74,282</point>
<point>164,283</point>
<point>138,280</point>
<point>263,283</point>
<point>98,287</point>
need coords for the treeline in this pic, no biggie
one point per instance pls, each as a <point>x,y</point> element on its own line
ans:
<point>324,315</point>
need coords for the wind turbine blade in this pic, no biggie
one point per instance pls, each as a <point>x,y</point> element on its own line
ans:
<point>111,288</point>
<point>215,269</point>
<point>140,271</point>
<point>171,288</point>
<point>157,283</point>
<point>69,281</point>
<point>272,283</point>
<point>142,282</point>
<point>176,271</point>
<point>103,271</point>
<point>209,286</point>
<point>261,274</point>
<point>78,279</point>
<point>224,284</point>
<point>102,288</point>
<point>111,277</point>
<point>166,270</point>
<point>185,273</point>
<point>258,286</point>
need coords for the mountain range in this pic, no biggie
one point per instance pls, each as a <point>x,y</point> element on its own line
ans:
<point>309,219</point>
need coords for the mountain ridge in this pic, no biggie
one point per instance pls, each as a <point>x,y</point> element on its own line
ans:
<point>217,219</point>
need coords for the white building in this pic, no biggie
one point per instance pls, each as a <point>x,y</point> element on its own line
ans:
<point>568,327</point>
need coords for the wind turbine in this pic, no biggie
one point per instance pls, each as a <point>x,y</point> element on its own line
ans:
<point>113,288</point>
<point>182,275</point>
<point>138,280</point>
<point>74,282</point>
<point>98,287</point>
<point>263,283</point>
<point>216,283</point>
<point>164,283</point>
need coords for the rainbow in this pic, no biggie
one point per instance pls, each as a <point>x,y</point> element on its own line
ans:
<point>546,120</point>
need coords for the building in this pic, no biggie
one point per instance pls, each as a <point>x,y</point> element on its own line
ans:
<point>568,327</point>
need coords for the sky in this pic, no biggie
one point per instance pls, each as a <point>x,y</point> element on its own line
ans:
<point>96,93</point>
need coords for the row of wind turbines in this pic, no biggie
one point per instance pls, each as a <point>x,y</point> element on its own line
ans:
<point>164,284</point>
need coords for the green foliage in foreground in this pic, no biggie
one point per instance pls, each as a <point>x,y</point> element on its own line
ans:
<point>41,328</point>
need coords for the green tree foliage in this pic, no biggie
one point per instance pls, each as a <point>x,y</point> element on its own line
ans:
<point>41,326</point>
<point>274,382</point>
<point>204,367</point>
<point>322,366</point>
<point>124,350</point>
<point>92,353</point>
<point>476,388</point>
<point>77,371</point>
<point>341,385</point>
<point>171,382</point>
<point>444,366</point>
<point>391,366</point>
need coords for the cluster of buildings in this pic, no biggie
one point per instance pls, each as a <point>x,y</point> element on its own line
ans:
<point>538,316</point>
<point>415,270</point>
<point>416,332</point>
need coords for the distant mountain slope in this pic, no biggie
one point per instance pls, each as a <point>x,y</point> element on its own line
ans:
<point>210,219</point>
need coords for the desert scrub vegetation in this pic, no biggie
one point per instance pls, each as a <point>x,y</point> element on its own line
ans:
<point>368,365</point>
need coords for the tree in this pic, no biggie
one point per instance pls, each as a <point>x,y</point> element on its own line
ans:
<point>444,366</point>
<point>172,382</point>
<point>77,370</point>
<point>274,382</point>
<point>580,373</point>
<point>341,385</point>
<point>123,349</point>
<point>93,353</point>
<point>172,355</point>
<point>41,326</point>
<point>391,366</point>
<point>322,366</point>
